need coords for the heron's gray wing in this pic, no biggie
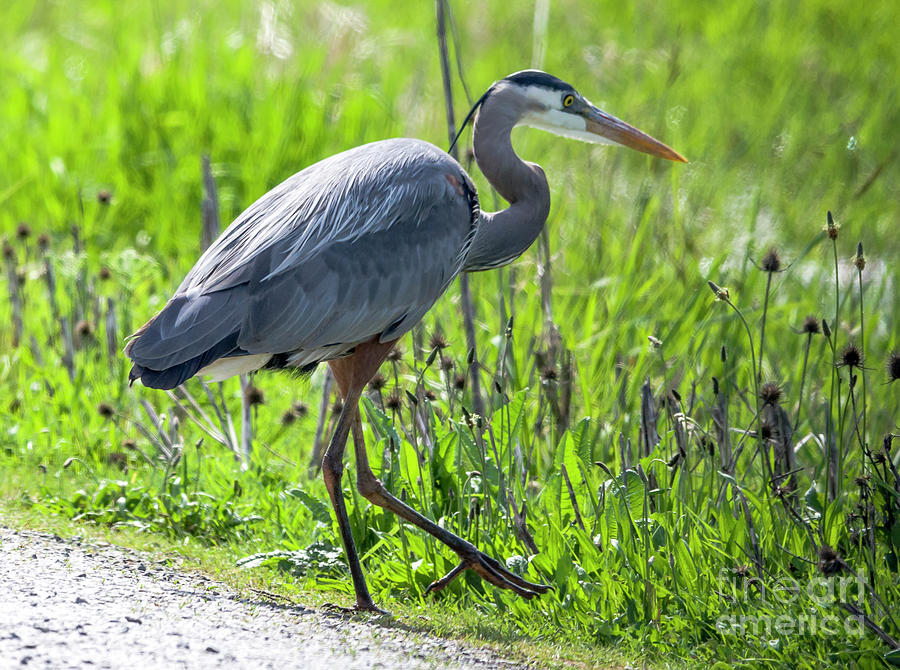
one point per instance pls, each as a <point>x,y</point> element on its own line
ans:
<point>358,245</point>
<point>380,284</point>
<point>340,199</point>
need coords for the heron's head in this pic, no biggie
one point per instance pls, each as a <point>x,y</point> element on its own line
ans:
<point>540,100</point>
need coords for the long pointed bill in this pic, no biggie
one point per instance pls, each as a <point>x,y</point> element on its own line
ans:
<point>617,131</point>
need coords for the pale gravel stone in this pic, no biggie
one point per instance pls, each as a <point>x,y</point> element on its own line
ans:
<point>68,604</point>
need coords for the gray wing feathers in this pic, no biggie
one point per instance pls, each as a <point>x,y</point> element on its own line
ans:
<point>358,245</point>
<point>350,291</point>
<point>187,327</point>
<point>339,199</point>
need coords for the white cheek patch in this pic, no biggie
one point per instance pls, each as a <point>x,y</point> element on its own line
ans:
<point>545,97</point>
<point>561,123</point>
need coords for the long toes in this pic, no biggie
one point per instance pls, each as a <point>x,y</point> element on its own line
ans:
<point>488,573</point>
<point>496,574</point>
<point>439,584</point>
<point>492,571</point>
<point>512,577</point>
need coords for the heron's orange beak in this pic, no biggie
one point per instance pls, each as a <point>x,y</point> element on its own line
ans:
<point>617,131</point>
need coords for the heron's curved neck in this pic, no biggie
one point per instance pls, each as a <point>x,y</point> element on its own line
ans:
<point>503,236</point>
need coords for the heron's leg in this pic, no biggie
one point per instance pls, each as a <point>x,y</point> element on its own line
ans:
<point>332,469</point>
<point>351,373</point>
<point>470,557</point>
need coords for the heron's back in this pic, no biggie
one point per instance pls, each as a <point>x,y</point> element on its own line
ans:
<point>357,246</point>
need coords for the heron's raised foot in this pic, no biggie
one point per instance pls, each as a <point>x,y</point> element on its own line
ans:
<point>491,570</point>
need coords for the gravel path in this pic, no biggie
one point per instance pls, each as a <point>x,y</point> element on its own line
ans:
<point>71,604</point>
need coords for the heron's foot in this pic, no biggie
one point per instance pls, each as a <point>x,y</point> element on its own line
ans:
<point>491,570</point>
<point>368,608</point>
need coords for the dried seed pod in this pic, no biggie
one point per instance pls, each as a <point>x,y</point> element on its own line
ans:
<point>893,366</point>
<point>254,395</point>
<point>859,260</point>
<point>393,401</point>
<point>811,325</point>
<point>831,227</point>
<point>771,393</point>
<point>851,357</point>
<point>830,562</point>
<point>438,342</point>
<point>771,262</point>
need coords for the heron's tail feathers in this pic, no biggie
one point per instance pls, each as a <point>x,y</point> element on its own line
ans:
<point>170,377</point>
<point>188,334</point>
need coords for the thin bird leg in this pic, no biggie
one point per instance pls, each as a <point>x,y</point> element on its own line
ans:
<point>332,469</point>
<point>470,557</point>
<point>352,373</point>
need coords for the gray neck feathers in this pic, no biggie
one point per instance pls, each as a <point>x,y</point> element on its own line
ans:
<point>503,236</point>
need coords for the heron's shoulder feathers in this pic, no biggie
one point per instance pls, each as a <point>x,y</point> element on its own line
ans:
<point>361,191</point>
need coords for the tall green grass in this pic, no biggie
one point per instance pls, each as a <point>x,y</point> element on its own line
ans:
<point>610,453</point>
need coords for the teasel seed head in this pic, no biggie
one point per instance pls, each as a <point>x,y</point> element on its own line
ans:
<point>377,382</point>
<point>393,402</point>
<point>771,262</point>
<point>851,357</point>
<point>771,393</point>
<point>811,325</point>
<point>437,341</point>
<point>254,395</point>
<point>893,366</point>
<point>830,562</point>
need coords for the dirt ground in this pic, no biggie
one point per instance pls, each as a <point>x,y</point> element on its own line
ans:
<point>71,604</point>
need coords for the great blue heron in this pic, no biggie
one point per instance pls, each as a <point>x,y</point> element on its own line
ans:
<point>337,262</point>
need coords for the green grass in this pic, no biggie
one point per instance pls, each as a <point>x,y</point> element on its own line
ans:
<point>459,621</point>
<point>785,110</point>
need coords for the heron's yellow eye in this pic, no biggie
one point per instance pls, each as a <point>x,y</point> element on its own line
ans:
<point>568,100</point>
